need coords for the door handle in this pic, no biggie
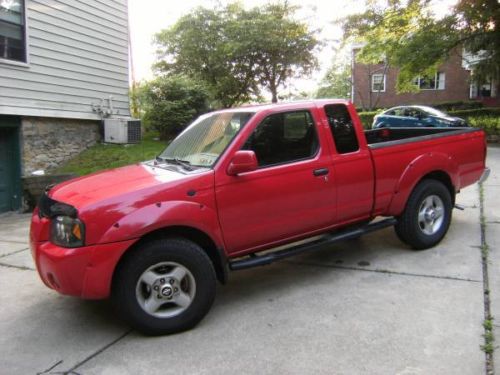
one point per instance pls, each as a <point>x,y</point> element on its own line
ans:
<point>320,172</point>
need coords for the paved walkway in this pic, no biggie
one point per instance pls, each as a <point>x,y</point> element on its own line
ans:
<point>370,306</point>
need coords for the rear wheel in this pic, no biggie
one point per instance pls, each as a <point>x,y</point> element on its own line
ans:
<point>427,215</point>
<point>165,286</point>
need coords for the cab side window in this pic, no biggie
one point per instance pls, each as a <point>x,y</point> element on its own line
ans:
<point>342,128</point>
<point>284,138</point>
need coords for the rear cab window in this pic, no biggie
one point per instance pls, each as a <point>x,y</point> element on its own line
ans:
<point>283,138</point>
<point>342,128</point>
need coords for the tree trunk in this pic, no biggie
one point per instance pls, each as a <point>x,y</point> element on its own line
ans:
<point>275,96</point>
<point>274,90</point>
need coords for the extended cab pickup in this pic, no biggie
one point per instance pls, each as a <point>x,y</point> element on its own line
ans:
<point>156,236</point>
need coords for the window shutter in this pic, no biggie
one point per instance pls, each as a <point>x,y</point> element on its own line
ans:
<point>441,81</point>
<point>473,90</point>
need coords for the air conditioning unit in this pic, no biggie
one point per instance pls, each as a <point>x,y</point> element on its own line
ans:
<point>122,130</point>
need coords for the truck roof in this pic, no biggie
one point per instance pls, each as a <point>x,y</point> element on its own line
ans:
<point>283,105</point>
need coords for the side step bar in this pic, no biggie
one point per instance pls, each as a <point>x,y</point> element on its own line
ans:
<point>261,260</point>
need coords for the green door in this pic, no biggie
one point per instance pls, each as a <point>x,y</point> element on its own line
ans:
<point>10,189</point>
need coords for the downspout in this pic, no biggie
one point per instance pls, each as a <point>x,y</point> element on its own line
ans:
<point>134,105</point>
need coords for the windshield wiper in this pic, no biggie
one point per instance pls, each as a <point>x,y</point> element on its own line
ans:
<point>183,163</point>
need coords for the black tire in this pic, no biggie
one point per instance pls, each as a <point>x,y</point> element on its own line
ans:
<point>410,228</point>
<point>159,257</point>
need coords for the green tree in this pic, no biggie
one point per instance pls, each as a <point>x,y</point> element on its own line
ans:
<point>407,35</point>
<point>284,47</point>
<point>337,82</point>
<point>171,103</point>
<point>200,46</point>
<point>238,52</point>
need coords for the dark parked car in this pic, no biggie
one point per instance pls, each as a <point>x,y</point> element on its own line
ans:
<point>416,116</point>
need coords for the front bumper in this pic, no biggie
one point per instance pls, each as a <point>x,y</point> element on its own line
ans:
<point>85,272</point>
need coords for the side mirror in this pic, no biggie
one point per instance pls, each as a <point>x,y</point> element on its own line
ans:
<point>243,161</point>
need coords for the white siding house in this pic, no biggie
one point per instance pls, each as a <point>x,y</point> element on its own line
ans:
<point>63,68</point>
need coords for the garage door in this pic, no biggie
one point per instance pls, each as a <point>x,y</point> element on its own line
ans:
<point>9,166</point>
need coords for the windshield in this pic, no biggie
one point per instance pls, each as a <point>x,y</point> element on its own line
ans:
<point>206,138</point>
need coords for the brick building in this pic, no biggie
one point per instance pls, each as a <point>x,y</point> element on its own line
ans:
<point>374,86</point>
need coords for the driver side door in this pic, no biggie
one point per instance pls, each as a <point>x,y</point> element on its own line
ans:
<point>292,193</point>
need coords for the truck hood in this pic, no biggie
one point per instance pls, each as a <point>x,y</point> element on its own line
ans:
<point>101,186</point>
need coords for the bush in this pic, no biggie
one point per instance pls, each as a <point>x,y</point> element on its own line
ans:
<point>478,116</point>
<point>479,112</point>
<point>367,118</point>
<point>171,103</point>
<point>491,125</point>
<point>458,105</point>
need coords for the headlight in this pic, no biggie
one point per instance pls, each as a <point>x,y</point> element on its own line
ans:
<point>66,231</point>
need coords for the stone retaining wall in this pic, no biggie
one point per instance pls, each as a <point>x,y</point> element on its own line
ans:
<point>34,187</point>
<point>49,142</point>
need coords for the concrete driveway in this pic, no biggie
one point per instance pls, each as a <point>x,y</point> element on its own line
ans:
<point>369,306</point>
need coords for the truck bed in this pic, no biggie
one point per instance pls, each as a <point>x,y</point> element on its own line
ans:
<point>383,137</point>
<point>399,153</point>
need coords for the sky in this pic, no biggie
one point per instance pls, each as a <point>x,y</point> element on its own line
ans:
<point>148,17</point>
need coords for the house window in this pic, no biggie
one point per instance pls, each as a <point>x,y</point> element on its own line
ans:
<point>12,30</point>
<point>486,90</point>
<point>378,82</point>
<point>432,82</point>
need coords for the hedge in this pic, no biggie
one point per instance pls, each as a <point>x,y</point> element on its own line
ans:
<point>458,105</point>
<point>479,112</point>
<point>491,125</point>
<point>367,117</point>
<point>444,106</point>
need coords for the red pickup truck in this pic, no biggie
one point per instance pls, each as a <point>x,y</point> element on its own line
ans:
<point>156,236</point>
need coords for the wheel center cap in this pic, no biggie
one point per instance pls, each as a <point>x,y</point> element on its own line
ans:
<point>166,291</point>
<point>430,214</point>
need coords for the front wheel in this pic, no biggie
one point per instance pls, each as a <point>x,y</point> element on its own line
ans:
<point>427,215</point>
<point>164,286</point>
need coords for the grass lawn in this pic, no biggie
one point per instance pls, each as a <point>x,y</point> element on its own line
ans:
<point>106,156</point>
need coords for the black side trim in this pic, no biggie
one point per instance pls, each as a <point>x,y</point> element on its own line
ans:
<point>261,260</point>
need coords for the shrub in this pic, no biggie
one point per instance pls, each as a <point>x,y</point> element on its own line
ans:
<point>458,105</point>
<point>475,117</point>
<point>171,103</point>
<point>491,125</point>
<point>444,106</point>
<point>367,118</point>
<point>479,112</point>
